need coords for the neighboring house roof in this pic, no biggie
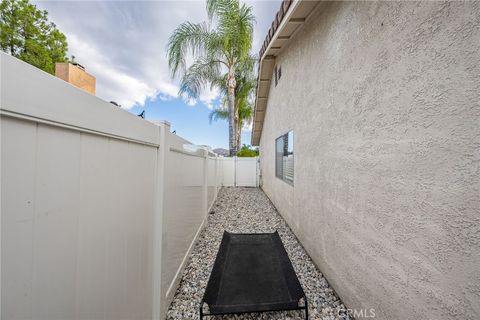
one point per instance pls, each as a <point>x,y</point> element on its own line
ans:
<point>222,152</point>
<point>289,18</point>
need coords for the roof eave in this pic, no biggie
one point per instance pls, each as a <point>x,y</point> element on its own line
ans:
<point>288,20</point>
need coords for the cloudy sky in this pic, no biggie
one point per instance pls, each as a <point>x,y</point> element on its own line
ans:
<point>123,44</point>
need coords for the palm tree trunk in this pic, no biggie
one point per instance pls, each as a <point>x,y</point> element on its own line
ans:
<point>237,129</point>
<point>231,112</point>
<point>239,136</point>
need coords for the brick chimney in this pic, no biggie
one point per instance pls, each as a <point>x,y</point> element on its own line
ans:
<point>76,75</point>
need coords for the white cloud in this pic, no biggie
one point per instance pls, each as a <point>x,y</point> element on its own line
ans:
<point>190,102</point>
<point>123,44</point>
<point>209,95</point>
<point>114,84</point>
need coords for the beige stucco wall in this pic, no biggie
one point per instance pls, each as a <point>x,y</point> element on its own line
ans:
<point>384,101</point>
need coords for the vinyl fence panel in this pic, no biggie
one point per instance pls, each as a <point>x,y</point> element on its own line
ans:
<point>77,214</point>
<point>228,169</point>
<point>239,172</point>
<point>246,172</point>
<point>211,181</point>
<point>99,211</point>
<point>184,212</point>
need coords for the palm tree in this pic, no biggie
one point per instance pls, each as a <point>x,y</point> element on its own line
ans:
<point>246,83</point>
<point>218,52</point>
<point>245,112</point>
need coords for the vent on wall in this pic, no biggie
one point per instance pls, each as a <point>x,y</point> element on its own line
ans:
<point>277,74</point>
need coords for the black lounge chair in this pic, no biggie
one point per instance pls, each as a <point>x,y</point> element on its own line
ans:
<point>252,273</point>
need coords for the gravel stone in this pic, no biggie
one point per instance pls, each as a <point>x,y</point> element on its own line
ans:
<point>248,210</point>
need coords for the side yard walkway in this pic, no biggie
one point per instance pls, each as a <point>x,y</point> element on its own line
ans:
<point>250,210</point>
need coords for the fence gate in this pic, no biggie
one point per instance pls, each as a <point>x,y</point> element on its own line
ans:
<point>240,172</point>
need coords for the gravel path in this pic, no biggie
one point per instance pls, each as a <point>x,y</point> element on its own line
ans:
<point>250,210</point>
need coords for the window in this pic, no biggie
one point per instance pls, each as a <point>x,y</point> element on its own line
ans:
<point>284,157</point>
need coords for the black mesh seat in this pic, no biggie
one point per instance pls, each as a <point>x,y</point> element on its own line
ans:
<point>252,273</point>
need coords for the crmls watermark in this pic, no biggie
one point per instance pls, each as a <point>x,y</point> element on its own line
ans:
<point>361,313</point>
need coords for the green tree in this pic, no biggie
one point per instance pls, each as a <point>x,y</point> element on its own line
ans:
<point>219,47</point>
<point>247,151</point>
<point>26,33</point>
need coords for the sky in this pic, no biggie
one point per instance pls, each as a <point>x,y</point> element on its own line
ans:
<point>123,44</point>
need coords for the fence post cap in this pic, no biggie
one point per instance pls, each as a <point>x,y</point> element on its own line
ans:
<point>161,123</point>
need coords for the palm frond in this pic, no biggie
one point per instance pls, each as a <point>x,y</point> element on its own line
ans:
<point>218,54</point>
<point>190,38</point>
<point>203,71</point>
<point>216,7</point>
<point>218,114</point>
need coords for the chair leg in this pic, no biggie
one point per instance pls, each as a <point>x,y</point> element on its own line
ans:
<point>306,309</point>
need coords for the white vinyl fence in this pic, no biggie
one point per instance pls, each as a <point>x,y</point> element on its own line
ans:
<point>240,172</point>
<point>99,208</point>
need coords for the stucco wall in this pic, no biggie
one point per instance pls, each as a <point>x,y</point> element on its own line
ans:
<point>384,101</point>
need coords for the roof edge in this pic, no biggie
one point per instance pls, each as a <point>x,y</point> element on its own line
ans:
<point>291,15</point>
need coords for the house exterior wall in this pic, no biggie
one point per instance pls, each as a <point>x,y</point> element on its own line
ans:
<point>384,101</point>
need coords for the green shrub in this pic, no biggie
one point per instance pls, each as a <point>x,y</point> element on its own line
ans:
<point>247,152</point>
